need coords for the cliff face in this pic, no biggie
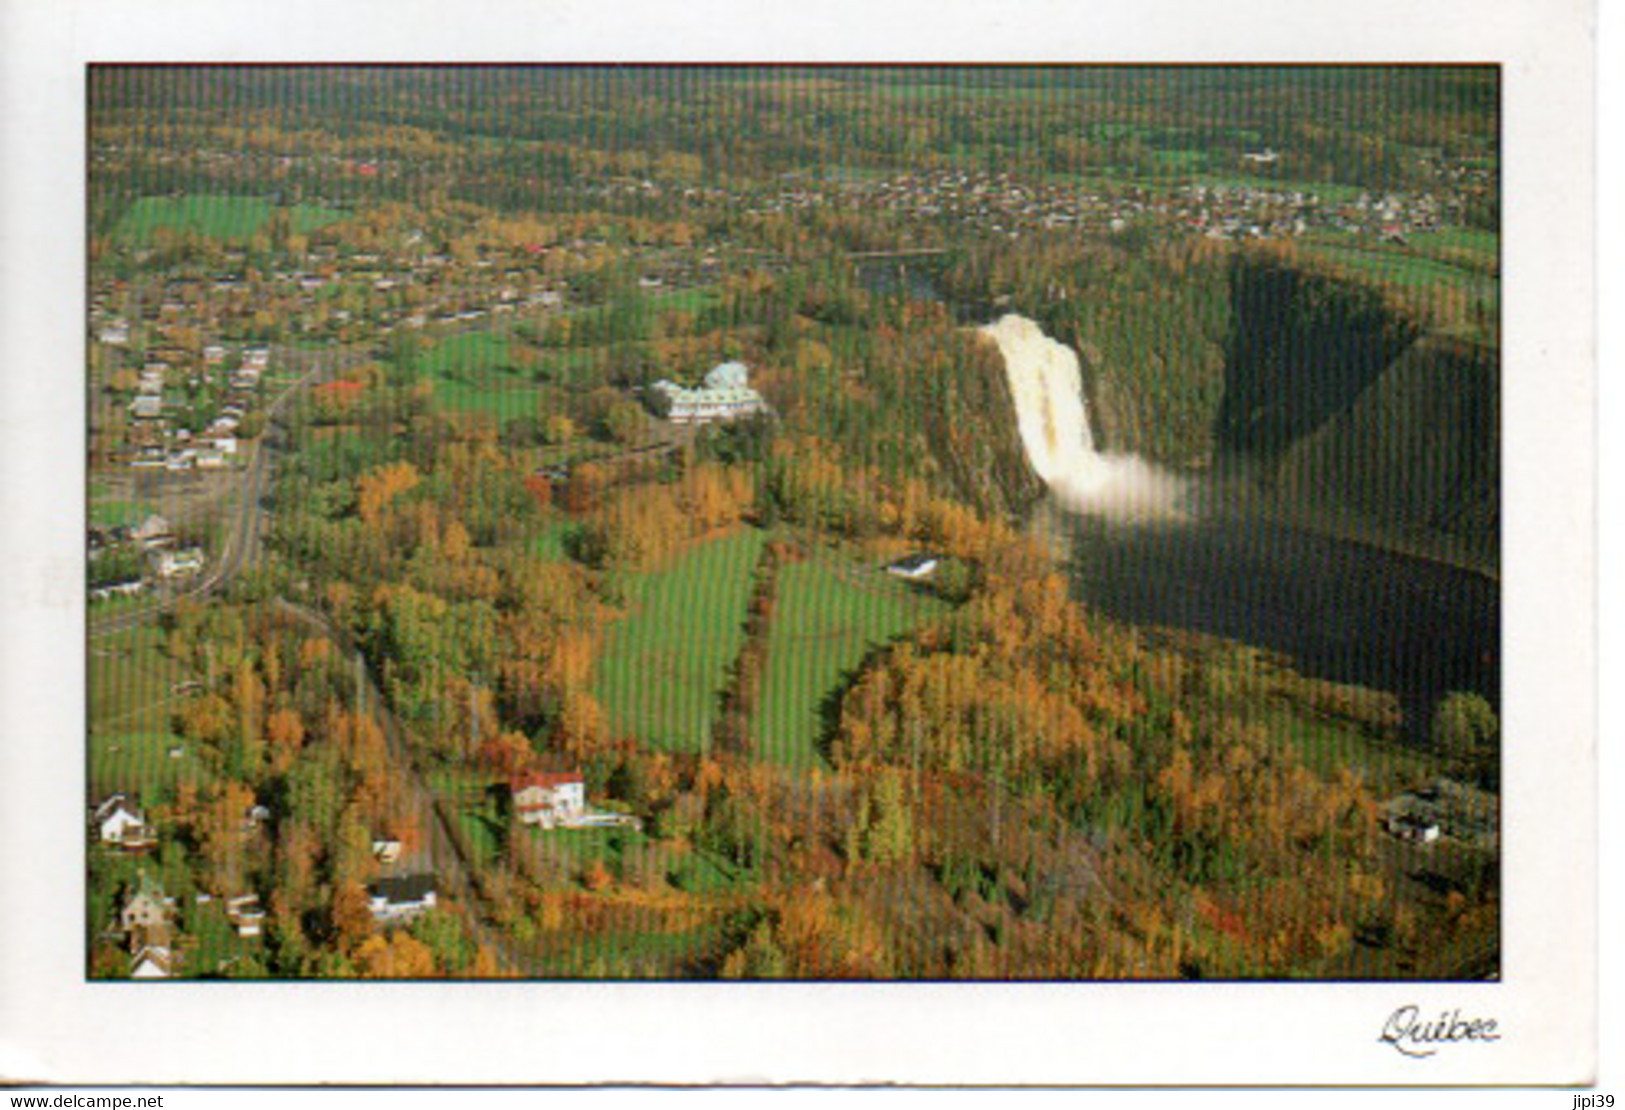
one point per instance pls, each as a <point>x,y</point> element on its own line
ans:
<point>1308,391</point>
<point>978,453</point>
<point>1301,349</point>
<point>1417,451</point>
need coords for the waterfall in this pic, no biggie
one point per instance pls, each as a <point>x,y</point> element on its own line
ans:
<point>1052,416</point>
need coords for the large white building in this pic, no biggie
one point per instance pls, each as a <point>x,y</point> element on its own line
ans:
<point>726,395</point>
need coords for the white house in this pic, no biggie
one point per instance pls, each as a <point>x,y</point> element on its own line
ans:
<point>245,914</point>
<point>1414,827</point>
<point>153,961</point>
<point>915,567</point>
<point>726,395</point>
<point>402,899</point>
<point>118,822</point>
<point>179,564</point>
<point>548,799</point>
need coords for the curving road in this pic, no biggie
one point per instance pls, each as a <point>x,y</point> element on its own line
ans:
<point>243,531</point>
<point>442,850</point>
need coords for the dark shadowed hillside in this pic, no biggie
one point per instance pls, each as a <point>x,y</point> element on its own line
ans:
<point>1417,450</point>
<point>1313,394</point>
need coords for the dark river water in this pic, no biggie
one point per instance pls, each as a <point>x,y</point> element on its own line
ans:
<point>1341,611</point>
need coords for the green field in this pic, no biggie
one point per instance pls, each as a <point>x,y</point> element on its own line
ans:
<point>697,299</point>
<point>1396,266</point>
<point>218,217</point>
<point>552,543</point>
<point>216,945</point>
<point>1485,243</point>
<point>828,616</point>
<point>113,513</point>
<point>131,682</point>
<point>483,830</point>
<point>141,764</point>
<point>471,355</point>
<point>1328,746</point>
<point>624,951</point>
<point>475,372</point>
<point>575,849</point>
<point>665,664</point>
<point>131,700</point>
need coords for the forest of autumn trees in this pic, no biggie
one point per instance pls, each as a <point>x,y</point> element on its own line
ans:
<point>1016,788</point>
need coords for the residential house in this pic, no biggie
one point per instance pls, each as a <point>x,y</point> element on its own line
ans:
<point>548,799</point>
<point>153,533</point>
<point>146,907</point>
<point>1413,827</point>
<point>915,567</point>
<point>152,961</point>
<point>147,408</point>
<point>725,395</point>
<point>246,914</point>
<point>401,899</point>
<point>178,564</point>
<point>118,589</point>
<point>118,822</point>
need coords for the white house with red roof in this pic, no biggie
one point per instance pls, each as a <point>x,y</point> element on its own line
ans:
<point>548,798</point>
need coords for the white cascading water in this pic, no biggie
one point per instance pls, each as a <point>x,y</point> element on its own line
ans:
<point>1047,387</point>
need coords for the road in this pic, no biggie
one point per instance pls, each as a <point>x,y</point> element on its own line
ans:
<point>245,527</point>
<point>441,850</point>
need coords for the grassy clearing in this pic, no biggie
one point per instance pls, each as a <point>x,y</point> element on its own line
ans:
<point>477,372</point>
<point>503,401</point>
<point>216,945</point>
<point>131,682</point>
<point>131,700</point>
<point>552,543</point>
<point>575,849</point>
<point>113,513</point>
<point>1485,243</point>
<point>484,831</point>
<point>701,873</point>
<point>218,217</point>
<point>828,616</point>
<point>664,666</point>
<point>1327,746</point>
<point>102,608</point>
<point>141,764</point>
<point>631,945</point>
<point>470,354</point>
<point>1393,266</point>
<point>697,299</point>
